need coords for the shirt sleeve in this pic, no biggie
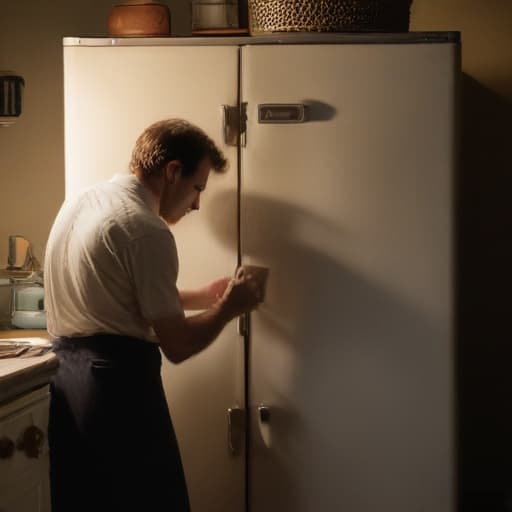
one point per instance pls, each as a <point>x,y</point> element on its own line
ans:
<point>153,268</point>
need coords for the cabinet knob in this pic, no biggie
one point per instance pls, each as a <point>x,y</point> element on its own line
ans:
<point>31,442</point>
<point>6,447</point>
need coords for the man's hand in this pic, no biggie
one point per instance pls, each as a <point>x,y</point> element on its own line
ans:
<point>242,295</point>
<point>215,290</point>
<point>181,337</point>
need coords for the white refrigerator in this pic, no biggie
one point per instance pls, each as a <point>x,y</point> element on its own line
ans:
<point>338,393</point>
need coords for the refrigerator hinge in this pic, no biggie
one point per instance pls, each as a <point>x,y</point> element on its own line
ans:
<point>234,124</point>
<point>236,430</point>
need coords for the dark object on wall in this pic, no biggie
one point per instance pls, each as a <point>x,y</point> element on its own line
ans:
<point>329,15</point>
<point>11,95</point>
<point>139,19</point>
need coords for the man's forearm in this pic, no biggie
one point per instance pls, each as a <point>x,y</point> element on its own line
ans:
<point>204,297</point>
<point>183,338</point>
<point>194,300</point>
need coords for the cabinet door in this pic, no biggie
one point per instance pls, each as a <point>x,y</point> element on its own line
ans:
<point>31,494</point>
<point>111,95</point>
<point>24,473</point>
<point>352,351</point>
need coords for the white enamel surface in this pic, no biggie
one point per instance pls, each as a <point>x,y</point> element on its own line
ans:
<point>352,211</point>
<point>111,95</point>
<point>352,351</point>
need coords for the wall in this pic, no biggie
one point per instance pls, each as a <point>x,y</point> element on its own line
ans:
<point>32,189</point>
<point>31,151</point>
<point>484,185</point>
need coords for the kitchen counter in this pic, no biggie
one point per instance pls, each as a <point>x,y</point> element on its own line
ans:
<point>20,375</point>
<point>24,409</point>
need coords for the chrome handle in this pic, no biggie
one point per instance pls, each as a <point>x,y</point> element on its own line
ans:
<point>236,429</point>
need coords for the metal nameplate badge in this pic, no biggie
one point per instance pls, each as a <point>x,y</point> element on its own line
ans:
<point>281,113</point>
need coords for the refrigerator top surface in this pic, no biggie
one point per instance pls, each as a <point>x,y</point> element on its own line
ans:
<point>277,38</point>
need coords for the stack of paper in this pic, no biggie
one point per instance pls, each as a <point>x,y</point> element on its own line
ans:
<point>23,348</point>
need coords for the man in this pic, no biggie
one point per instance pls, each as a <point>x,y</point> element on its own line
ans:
<point>110,276</point>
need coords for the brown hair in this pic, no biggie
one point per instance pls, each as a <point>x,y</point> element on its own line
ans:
<point>174,139</point>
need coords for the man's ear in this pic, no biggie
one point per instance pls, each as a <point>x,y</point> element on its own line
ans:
<point>172,170</point>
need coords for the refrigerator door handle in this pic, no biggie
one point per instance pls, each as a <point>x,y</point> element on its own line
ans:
<point>265,429</point>
<point>264,413</point>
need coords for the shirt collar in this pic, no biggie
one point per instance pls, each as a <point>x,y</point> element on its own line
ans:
<point>133,183</point>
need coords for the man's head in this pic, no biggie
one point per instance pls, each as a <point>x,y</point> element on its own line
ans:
<point>174,158</point>
<point>174,139</point>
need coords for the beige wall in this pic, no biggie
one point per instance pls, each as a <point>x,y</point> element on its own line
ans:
<point>486,36</point>
<point>31,151</point>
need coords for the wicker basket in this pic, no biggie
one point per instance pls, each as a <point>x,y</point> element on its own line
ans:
<point>329,15</point>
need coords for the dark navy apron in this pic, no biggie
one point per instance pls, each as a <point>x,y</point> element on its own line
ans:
<point>112,443</point>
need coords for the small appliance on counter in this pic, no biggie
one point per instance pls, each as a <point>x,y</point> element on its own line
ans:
<point>28,303</point>
<point>21,288</point>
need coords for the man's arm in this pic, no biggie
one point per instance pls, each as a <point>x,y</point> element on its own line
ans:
<point>205,297</point>
<point>181,337</point>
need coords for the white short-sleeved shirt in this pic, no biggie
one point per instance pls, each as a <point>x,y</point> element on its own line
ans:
<point>111,263</point>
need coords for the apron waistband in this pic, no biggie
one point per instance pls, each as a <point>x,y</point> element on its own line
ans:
<point>109,346</point>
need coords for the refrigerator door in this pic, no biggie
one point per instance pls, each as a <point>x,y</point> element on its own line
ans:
<point>111,95</point>
<point>351,358</point>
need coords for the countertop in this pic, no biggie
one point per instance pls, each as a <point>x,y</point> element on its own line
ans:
<point>19,375</point>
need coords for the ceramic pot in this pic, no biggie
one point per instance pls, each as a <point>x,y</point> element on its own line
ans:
<point>139,19</point>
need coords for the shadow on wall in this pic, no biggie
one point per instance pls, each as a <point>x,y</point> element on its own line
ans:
<point>484,302</point>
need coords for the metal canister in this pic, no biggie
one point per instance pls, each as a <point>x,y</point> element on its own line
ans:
<point>11,95</point>
<point>214,14</point>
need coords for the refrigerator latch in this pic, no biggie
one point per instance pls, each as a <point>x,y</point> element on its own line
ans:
<point>243,325</point>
